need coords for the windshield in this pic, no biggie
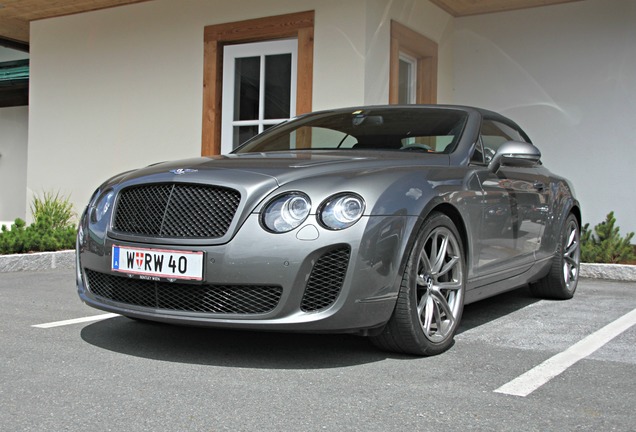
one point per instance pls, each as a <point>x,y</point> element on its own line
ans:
<point>426,130</point>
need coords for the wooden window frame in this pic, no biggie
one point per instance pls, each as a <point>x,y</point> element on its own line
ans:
<point>425,50</point>
<point>297,25</point>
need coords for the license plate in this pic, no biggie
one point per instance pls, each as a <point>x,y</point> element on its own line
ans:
<point>158,263</point>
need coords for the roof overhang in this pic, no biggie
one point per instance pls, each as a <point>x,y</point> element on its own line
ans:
<point>16,15</point>
<point>460,8</point>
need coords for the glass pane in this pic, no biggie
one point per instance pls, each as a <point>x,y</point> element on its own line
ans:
<point>423,130</point>
<point>406,91</point>
<point>242,134</point>
<point>494,134</point>
<point>277,86</point>
<point>246,88</point>
<point>329,138</point>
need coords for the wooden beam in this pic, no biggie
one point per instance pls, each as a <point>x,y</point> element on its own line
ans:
<point>212,97</point>
<point>305,68</point>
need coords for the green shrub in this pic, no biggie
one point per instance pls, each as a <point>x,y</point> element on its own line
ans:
<point>605,245</point>
<point>53,210</point>
<point>53,228</point>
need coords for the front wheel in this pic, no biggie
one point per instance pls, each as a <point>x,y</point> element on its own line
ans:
<point>561,282</point>
<point>431,298</point>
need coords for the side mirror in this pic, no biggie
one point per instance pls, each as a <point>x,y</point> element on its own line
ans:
<point>515,153</point>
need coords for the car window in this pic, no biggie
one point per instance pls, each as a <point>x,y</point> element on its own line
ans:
<point>309,137</point>
<point>494,134</point>
<point>478,153</point>
<point>436,143</point>
<point>322,138</point>
<point>420,130</point>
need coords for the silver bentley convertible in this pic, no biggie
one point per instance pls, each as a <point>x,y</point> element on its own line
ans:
<point>380,221</point>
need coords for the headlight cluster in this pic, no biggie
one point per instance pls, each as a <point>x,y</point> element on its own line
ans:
<point>101,206</point>
<point>341,211</point>
<point>288,211</point>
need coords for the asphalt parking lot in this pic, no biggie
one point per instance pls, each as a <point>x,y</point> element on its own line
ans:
<point>118,374</point>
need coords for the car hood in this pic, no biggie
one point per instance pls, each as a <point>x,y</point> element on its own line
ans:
<point>278,167</point>
<point>377,176</point>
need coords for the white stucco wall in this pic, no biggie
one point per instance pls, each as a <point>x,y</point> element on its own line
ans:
<point>420,16</point>
<point>117,89</point>
<point>567,74</point>
<point>13,163</point>
<point>13,153</point>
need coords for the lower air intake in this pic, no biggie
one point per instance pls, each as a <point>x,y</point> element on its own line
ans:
<point>325,281</point>
<point>217,299</point>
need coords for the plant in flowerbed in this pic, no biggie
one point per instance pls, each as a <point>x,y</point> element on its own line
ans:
<point>604,244</point>
<point>53,227</point>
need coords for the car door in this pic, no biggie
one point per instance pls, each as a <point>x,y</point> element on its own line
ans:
<point>514,208</point>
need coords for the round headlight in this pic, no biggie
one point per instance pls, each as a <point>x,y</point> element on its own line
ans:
<point>286,212</point>
<point>341,211</point>
<point>103,205</point>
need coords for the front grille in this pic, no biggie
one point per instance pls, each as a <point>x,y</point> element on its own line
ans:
<point>221,299</point>
<point>325,281</point>
<point>176,210</point>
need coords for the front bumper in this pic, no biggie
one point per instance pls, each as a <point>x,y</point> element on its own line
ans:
<point>310,279</point>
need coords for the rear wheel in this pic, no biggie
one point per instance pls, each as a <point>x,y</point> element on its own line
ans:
<point>431,298</point>
<point>561,282</point>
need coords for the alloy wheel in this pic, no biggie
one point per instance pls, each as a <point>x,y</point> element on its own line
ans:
<point>440,276</point>
<point>571,254</point>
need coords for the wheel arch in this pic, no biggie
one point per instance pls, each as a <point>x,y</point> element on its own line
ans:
<point>399,333</point>
<point>453,213</point>
<point>455,216</point>
<point>571,206</point>
<point>576,211</point>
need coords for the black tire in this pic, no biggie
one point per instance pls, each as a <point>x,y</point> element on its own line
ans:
<point>431,298</point>
<point>563,278</point>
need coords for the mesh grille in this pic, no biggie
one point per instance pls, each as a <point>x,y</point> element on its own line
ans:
<point>221,299</point>
<point>325,281</point>
<point>176,210</point>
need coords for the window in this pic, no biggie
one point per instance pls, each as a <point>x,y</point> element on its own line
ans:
<point>407,87</point>
<point>259,89</point>
<point>493,135</point>
<point>413,67</point>
<point>422,130</point>
<point>14,83</point>
<point>299,26</point>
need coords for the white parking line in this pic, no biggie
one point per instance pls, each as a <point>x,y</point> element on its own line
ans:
<point>75,321</point>
<point>525,384</point>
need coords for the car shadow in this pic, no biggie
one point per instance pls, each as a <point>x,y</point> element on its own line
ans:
<point>490,309</point>
<point>231,348</point>
<point>268,350</point>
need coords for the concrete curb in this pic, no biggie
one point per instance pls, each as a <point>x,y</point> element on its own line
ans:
<point>617,272</point>
<point>66,260</point>
<point>37,261</point>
